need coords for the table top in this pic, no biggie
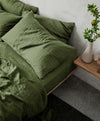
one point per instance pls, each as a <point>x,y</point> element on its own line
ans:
<point>91,67</point>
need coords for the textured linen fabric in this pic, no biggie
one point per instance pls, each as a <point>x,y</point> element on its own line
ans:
<point>19,95</point>
<point>17,7</point>
<point>61,30</point>
<point>34,43</point>
<point>7,21</point>
<point>52,78</point>
<point>39,57</point>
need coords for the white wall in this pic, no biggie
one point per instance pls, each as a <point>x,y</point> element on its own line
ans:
<point>73,11</point>
<point>68,10</point>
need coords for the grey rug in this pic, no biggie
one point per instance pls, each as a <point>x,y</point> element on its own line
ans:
<point>63,111</point>
<point>81,96</point>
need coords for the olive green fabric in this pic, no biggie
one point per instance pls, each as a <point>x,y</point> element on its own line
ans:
<point>19,96</point>
<point>61,72</point>
<point>61,30</point>
<point>40,49</point>
<point>27,78</point>
<point>49,81</point>
<point>7,21</point>
<point>17,7</point>
<point>32,62</point>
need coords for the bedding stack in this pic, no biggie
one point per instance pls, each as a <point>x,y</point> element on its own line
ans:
<point>34,58</point>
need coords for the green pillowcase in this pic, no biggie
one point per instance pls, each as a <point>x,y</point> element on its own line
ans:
<point>36,45</point>
<point>61,30</point>
<point>17,7</point>
<point>7,21</point>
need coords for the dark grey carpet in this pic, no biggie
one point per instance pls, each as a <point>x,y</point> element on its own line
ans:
<point>63,111</point>
<point>80,95</point>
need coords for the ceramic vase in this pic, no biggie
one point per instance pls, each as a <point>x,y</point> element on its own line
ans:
<point>87,55</point>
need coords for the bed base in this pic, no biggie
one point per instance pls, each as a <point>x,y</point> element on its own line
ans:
<point>61,82</point>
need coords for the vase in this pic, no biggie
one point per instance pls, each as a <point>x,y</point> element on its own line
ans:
<point>87,55</point>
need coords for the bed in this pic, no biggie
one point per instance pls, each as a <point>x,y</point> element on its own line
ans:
<point>51,80</point>
<point>35,58</point>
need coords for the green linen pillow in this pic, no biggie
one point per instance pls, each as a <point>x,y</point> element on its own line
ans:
<point>7,21</point>
<point>36,45</point>
<point>61,30</point>
<point>17,7</point>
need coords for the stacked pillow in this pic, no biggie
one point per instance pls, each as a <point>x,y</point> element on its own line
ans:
<point>34,37</point>
<point>7,21</point>
<point>17,7</point>
<point>36,45</point>
<point>61,30</point>
<point>12,13</point>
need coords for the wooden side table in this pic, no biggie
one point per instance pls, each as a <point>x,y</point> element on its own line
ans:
<point>91,68</point>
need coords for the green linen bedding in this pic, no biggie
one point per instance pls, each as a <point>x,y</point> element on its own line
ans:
<point>33,60</point>
<point>17,7</point>
<point>20,97</point>
<point>51,79</point>
<point>37,46</point>
<point>7,21</point>
<point>61,30</point>
<point>60,73</point>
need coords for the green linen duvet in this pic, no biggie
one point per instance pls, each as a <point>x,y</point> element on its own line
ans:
<point>32,49</point>
<point>22,97</point>
<point>19,97</point>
